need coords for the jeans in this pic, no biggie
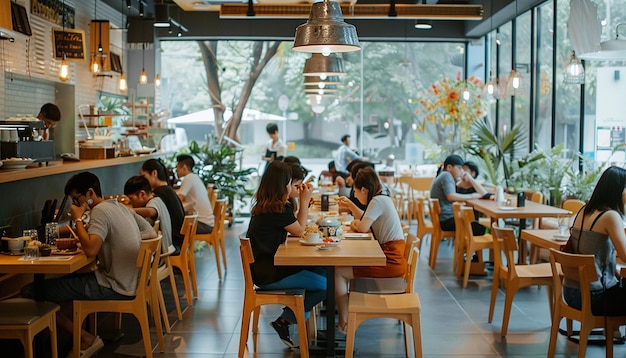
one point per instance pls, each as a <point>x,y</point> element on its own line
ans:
<point>314,283</point>
<point>75,287</point>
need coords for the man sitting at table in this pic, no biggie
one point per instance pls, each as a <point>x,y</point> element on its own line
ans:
<point>150,207</point>
<point>113,235</point>
<point>444,189</point>
<point>193,191</point>
<point>155,172</point>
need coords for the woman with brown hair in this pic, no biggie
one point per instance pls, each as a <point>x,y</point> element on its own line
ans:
<point>381,218</point>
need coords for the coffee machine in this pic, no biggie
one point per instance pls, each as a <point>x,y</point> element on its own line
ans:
<point>18,139</point>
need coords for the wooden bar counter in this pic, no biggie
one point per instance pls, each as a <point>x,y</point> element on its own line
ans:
<point>24,191</point>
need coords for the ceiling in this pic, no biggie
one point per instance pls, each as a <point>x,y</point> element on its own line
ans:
<point>201,19</point>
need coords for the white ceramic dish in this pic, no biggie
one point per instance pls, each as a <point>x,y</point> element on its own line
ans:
<point>311,243</point>
<point>507,208</point>
<point>356,236</point>
<point>16,163</point>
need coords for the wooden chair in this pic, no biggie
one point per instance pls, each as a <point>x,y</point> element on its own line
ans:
<point>255,298</point>
<point>472,243</point>
<point>573,206</point>
<point>437,235</point>
<point>580,268</point>
<point>147,264</point>
<point>184,260</point>
<point>23,320</point>
<point>165,271</point>
<point>513,276</point>
<point>216,237</point>
<point>459,240</point>
<point>424,227</point>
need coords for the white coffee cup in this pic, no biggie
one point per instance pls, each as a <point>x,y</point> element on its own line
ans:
<point>312,237</point>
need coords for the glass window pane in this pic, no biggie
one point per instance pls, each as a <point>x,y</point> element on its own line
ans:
<point>542,131</point>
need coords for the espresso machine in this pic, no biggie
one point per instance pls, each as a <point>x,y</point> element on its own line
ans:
<point>19,139</point>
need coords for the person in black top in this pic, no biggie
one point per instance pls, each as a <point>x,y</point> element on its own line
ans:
<point>155,172</point>
<point>272,218</point>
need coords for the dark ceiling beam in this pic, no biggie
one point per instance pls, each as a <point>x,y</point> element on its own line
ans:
<point>503,11</point>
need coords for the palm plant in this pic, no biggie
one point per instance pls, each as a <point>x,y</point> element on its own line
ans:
<point>497,152</point>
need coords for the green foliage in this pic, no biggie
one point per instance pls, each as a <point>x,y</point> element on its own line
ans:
<point>495,151</point>
<point>215,164</point>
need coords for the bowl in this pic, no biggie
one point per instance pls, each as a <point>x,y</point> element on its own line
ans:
<point>312,237</point>
<point>45,250</point>
<point>66,244</point>
<point>16,245</point>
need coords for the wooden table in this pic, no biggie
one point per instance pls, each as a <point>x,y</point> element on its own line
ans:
<point>348,253</point>
<point>56,264</point>
<point>542,238</point>
<point>531,210</point>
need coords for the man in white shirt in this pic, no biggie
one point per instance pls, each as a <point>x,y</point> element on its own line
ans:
<point>193,192</point>
<point>345,155</point>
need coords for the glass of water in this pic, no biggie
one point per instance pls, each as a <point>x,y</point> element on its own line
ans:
<point>52,233</point>
<point>563,224</point>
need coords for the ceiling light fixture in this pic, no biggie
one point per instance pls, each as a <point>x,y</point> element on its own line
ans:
<point>143,77</point>
<point>321,83</point>
<point>574,71</point>
<point>64,70</point>
<point>161,15</point>
<point>157,81</point>
<point>325,32</point>
<point>609,50</point>
<point>324,66</point>
<point>122,83</point>
<point>423,24</point>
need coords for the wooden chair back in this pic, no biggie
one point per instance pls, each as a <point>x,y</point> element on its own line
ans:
<point>504,246</point>
<point>437,234</point>
<point>423,226</point>
<point>184,261</point>
<point>573,205</point>
<point>412,268</point>
<point>216,237</point>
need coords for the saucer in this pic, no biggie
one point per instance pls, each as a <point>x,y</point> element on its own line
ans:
<point>507,208</point>
<point>311,243</point>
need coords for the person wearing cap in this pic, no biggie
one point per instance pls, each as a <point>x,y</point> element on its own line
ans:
<point>345,155</point>
<point>444,189</point>
<point>50,115</point>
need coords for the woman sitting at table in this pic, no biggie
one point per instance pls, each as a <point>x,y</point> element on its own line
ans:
<point>272,218</point>
<point>599,230</point>
<point>381,217</point>
<point>297,176</point>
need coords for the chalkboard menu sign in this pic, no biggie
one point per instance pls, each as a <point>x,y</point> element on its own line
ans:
<point>68,42</point>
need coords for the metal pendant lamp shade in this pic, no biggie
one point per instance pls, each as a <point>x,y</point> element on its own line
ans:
<point>325,32</point>
<point>316,90</point>
<point>324,66</point>
<point>316,81</point>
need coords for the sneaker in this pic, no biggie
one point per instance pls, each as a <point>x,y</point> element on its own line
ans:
<point>283,333</point>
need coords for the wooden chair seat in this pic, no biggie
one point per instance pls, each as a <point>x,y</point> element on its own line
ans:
<point>579,268</point>
<point>23,320</point>
<point>147,263</point>
<point>513,276</point>
<point>405,307</point>
<point>216,237</point>
<point>254,298</point>
<point>184,261</point>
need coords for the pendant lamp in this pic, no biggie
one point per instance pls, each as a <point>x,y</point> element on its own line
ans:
<point>325,32</point>
<point>324,66</point>
<point>574,71</point>
<point>316,81</point>
<point>123,85</point>
<point>64,70</point>
<point>143,77</point>
<point>316,90</point>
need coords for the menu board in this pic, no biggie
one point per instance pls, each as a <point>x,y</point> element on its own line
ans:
<point>68,42</point>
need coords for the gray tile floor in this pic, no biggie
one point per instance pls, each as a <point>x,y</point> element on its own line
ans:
<point>454,320</point>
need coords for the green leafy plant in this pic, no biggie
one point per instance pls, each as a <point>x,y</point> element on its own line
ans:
<point>216,164</point>
<point>495,151</point>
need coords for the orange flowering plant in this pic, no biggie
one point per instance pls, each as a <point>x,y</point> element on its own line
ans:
<point>451,106</point>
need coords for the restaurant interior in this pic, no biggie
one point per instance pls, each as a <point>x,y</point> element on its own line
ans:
<point>551,66</point>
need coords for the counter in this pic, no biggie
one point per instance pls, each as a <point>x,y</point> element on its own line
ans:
<point>24,191</point>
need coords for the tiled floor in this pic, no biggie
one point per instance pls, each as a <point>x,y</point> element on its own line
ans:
<point>454,320</point>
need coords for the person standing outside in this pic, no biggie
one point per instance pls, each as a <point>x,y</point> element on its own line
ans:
<point>193,191</point>
<point>275,149</point>
<point>156,174</point>
<point>113,235</point>
<point>50,115</point>
<point>444,189</point>
<point>345,155</point>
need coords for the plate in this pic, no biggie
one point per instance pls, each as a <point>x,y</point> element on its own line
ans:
<point>507,208</point>
<point>65,252</point>
<point>306,243</point>
<point>16,163</point>
<point>356,236</point>
<point>560,237</point>
<point>144,150</point>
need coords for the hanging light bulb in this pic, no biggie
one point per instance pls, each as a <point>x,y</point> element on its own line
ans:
<point>574,71</point>
<point>143,77</point>
<point>466,94</point>
<point>157,81</point>
<point>123,85</point>
<point>64,70</point>
<point>95,65</point>
<point>516,80</point>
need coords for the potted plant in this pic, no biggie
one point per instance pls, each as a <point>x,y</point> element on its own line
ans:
<point>216,164</point>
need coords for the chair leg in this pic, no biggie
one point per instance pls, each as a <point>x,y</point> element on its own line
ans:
<point>582,340</point>
<point>351,333</point>
<point>175,294</point>
<point>78,322</point>
<point>417,334</point>
<point>216,248</point>
<point>405,329</point>
<point>255,319</point>
<point>434,249</point>
<point>554,331</point>
<point>161,304</point>
<point>186,283</point>
<point>192,266</point>
<point>223,248</point>
<point>27,344</point>
<point>243,336</point>
<point>494,292</point>
<point>302,332</point>
<point>52,326</point>
<point>468,263</point>
<point>145,332</point>
<point>511,289</point>
<point>156,314</point>
<point>608,333</point>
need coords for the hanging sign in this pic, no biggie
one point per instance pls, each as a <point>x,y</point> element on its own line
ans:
<point>68,42</point>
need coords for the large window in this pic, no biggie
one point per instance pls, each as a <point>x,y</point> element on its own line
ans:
<point>542,128</point>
